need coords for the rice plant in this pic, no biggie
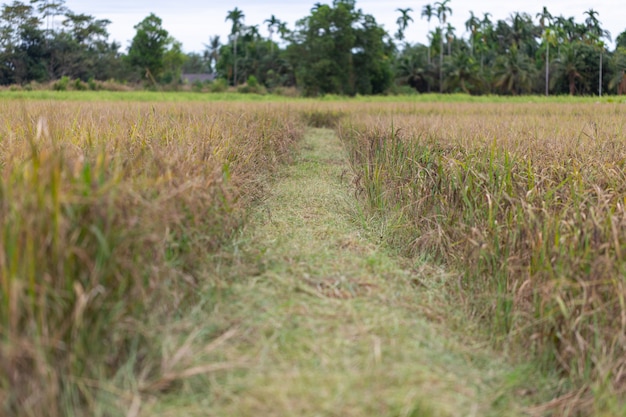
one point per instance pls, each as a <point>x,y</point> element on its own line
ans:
<point>526,202</point>
<point>107,214</point>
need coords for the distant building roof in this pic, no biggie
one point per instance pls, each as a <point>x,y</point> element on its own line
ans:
<point>192,78</point>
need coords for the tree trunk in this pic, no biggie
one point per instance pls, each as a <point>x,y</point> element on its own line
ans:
<point>235,64</point>
<point>548,70</point>
<point>600,77</point>
<point>441,64</point>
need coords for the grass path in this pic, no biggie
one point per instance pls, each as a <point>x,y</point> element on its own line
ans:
<point>329,324</point>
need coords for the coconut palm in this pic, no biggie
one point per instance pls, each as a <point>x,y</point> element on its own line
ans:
<point>403,22</point>
<point>272,25</point>
<point>570,64</point>
<point>283,30</point>
<point>462,72</point>
<point>443,10</point>
<point>545,18</point>
<point>594,35</point>
<point>428,12</point>
<point>549,38</point>
<point>251,33</point>
<point>472,25</point>
<point>236,16</point>
<point>450,37</point>
<point>618,69</point>
<point>514,72</point>
<point>213,50</point>
<point>486,29</point>
<point>413,68</point>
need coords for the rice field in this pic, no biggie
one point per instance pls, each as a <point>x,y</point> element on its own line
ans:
<point>110,212</point>
<point>107,213</point>
<point>526,203</point>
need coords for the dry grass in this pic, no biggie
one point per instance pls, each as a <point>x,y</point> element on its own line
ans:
<point>527,202</point>
<point>107,213</point>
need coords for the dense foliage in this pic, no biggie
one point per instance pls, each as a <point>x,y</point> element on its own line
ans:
<point>336,49</point>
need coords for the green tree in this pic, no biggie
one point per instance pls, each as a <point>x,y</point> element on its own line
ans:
<point>213,51</point>
<point>22,44</point>
<point>337,49</point>
<point>620,41</point>
<point>450,36</point>
<point>236,16</point>
<point>594,36</point>
<point>472,25</point>
<point>570,64</point>
<point>462,73</point>
<point>173,61</point>
<point>443,10</point>
<point>549,37</point>
<point>428,12</point>
<point>617,65</point>
<point>147,50</point>
<point>403,22</point>
<point>272,26</point>
<point>514,72</point>
<point>49,10</point>
<point>195,63</point>
<point>413,68</point>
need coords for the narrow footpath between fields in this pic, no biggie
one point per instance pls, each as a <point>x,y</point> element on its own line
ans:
<point>330,324</point>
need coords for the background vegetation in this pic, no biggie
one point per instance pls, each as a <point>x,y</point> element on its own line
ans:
<point>336,49</point>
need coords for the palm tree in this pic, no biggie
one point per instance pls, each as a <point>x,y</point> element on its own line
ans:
<point>403,22</point>
<point>413,68</point>
<point>462,72</point>
<point>213,51</point>
<point>545,18</point>
<point>486,28</point>
<point>570,63</point>
<point>317,6</point>
<point>251,33</point>
<point>272,25</point>
<point>236,16</point>
<point>442,14</point>
<point>523,31</point>
<point>595,33</point>
<point>450,37</point>
<point>548,35</point>
<point>618,66</point>
<point>472,25</point>
<point>283,30</point>
<point>514,72</point>
<point>428,12</point>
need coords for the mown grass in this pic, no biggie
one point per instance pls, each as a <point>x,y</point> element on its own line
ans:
<point>527,203</point>
<point>107,216</point>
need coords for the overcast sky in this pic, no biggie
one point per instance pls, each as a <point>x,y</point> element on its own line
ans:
<point>193,21</point>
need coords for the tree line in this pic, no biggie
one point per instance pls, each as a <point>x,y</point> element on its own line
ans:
<point>335,49</point>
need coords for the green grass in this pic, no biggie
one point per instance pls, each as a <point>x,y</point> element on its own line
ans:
<point>328,322</point>
<point>181,97</point>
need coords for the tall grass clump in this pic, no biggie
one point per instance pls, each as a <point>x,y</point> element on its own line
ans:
<point>107,213</point>
<point>527,203</point>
